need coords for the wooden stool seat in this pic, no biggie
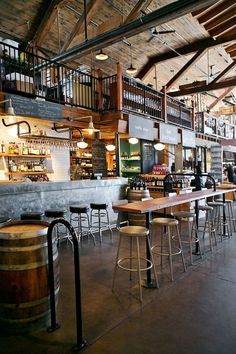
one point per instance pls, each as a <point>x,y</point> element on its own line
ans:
<point>205,208</point>
<point>134,233</point>
<point>184,215</point>
<point>165,221</point>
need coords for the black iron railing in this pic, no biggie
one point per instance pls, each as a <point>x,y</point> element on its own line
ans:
<point>30,74</point>
<point>178,113</point>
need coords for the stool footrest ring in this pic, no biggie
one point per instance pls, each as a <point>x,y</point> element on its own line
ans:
<point>134,269</point>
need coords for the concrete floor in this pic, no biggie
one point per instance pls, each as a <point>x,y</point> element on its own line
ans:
<point>195,314</point>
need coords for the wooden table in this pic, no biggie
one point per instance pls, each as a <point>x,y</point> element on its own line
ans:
<point>146,207</point>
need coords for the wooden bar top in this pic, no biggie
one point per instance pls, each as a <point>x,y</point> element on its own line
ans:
<point>166,202</point>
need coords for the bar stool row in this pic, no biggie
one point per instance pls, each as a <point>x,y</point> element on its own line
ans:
<point>89,219</point>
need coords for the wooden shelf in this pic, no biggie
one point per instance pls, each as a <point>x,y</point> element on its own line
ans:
<point>26,156</point>
<point>27,173</point>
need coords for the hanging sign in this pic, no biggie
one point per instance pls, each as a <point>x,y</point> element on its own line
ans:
<point>141,128</point>
<point>168,134</point>
<point>188,138</point>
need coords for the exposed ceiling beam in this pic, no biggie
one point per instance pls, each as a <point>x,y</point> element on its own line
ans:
<point>230,48</point>
<point>214,11</point>
<point>220,98</point>
<point>185,68</point>
<point>47,21</point>
<point>137,10</point>
<point>158,17</point>
<point>224,72</point>
<point>220,18</point>
<point>92,6</point>
<point>210,87</point>
<point>223,27</point>
<point>185,50</point>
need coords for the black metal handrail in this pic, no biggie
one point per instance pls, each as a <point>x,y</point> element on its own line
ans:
<point>81,343</point>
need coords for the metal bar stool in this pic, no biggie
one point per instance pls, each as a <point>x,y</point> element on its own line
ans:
<point>220,224</point>
<point>209,224</point>
<point>134,233</point>
<point>166,225</point>
<point>229,213</point>
<point>53,214</point>
<point>99,212</point>
<point>80,215</point>
<point>32,215</point>
<point>189,218</point>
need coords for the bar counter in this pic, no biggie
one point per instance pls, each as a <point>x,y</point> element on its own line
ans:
<point>17,198</point>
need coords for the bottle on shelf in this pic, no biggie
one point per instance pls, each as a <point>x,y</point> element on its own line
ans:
<point>3,148</point>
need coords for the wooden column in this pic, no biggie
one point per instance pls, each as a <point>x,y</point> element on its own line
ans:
<point>119,88</point>
<point>193,114</point>
<point>164,104</point>
<point>100,93</point>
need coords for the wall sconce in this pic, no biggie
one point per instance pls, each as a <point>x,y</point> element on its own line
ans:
<point>90,130</point>
<point>10,113</point>
<point>81,143</point>
<point>10,109</point>
<point>110,147</point>
<point>133,141</point>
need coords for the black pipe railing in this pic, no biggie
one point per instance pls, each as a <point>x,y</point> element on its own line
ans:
<point>80,343</point>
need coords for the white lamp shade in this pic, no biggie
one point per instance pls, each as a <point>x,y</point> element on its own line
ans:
<point>133,141</point>
<point>110,147</point>
<point>82,144</point>
<point>159,146</point>
<point>101,56</point>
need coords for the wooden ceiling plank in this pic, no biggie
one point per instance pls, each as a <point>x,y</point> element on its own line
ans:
<point>183,70</point>
<point>185,50</point>
<point>224,72</point>
<point>231,32</point>
<point>230,48</point>
<point>92,6</point>
<point>157,17</point>
<point>215,10</point>
<point>136,12</point>
<point>225,26</point>
<point>210,87</point>
<point>47,21</point>
<point>221,18</point>
<point>221,97</point>
<point>198,12</point>
<point>233,53</point>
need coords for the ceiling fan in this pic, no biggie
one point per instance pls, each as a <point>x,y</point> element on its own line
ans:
<point>154,33</point>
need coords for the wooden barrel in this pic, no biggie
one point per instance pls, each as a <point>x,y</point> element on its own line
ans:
<point>24,290</point>
<point>135,195</point>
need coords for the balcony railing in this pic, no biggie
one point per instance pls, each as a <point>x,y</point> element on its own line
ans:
<point>179,113</point>
<point>33,75</point>
<point>214,126</point>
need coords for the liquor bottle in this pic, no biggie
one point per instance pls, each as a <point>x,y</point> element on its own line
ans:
<point>3,148</point>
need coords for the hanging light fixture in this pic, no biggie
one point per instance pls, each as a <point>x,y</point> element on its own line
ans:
<point>101,56</point>
<point>10,110</point>
<point>110,147</point>
<point>90,130</point>
<point>159,146</point>
<point>131,70</point>
<point>133,141</point>
<point>81,143</point>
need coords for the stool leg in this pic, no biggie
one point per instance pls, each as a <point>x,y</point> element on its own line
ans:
<point>190,242</point>
<point>130,255</point>
<point>89,229</point>
<point>108,223</point>
<point>99,225</point>
<point>139,271</point>
<point>116,264</point>
<point>209,231</point>
<point>180,246</point>
<point>162,231</point>
<point>152,260</point>
<point>194,233</point>
<point>170,253</point>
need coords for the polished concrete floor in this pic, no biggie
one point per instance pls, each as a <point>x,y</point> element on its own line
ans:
<point>194,314</point>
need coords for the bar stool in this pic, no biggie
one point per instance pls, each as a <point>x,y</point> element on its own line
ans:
<point>122,217</point>
<point>229,213</point>
<point>208,224</point>
<point>80,214</point>
<point>189,217</point>
<point>220,224</point>
<point>34,215</point>
<point>166,225</point>
<point>134,233</point>
<point>98,211</point>
<point>53,214</point>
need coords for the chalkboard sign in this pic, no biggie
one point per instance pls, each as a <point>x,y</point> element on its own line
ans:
<point>99,157</point>
<point>28,107</point>
<point>148,156</point>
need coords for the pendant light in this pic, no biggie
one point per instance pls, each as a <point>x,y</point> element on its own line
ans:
<point>110,147</point>
<point>101,56</point>
<point>131,70</point>
<point>159,146</point>
<point>133,141</point>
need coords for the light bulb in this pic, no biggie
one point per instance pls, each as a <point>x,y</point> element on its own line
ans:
<point>159,146</point>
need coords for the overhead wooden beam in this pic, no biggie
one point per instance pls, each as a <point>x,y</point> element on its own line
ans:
<point>92,6</point>
<point>225,26</point>
<point>224,72</point>
<point>221,18</point>
<point>185,68</point>
<point>210,87</point>
<point>158,17</point>
<point>48,19</point>
<point>185,50</point>
<point>198,12</point>
<point>233,53</point>
<point>215,10</point>
<point>220,98</point>
<point>137,10</point>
